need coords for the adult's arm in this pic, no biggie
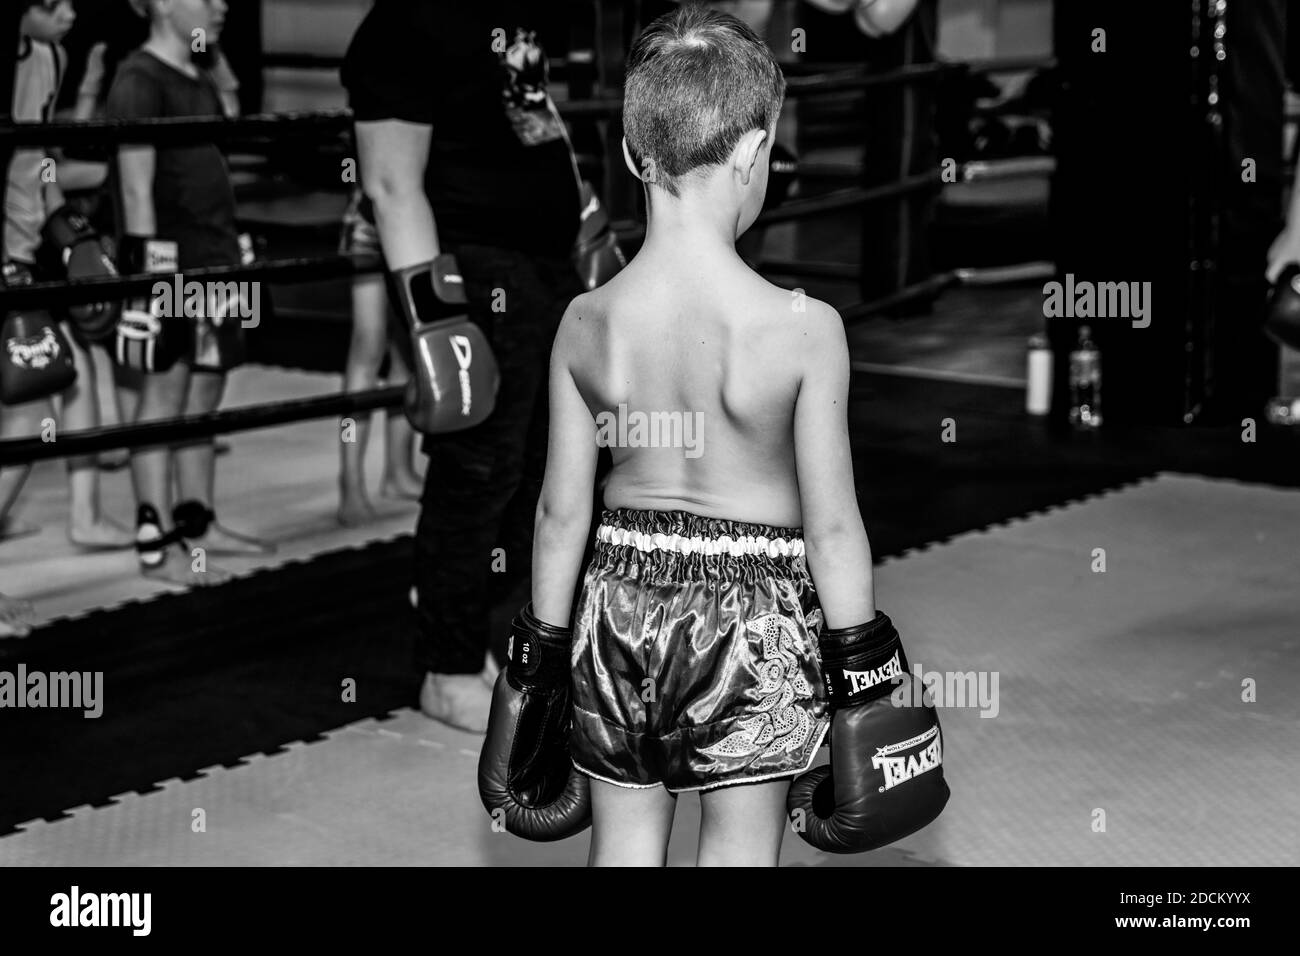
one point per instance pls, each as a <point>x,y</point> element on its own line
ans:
<point>393,154</point>
<point>390,72</point>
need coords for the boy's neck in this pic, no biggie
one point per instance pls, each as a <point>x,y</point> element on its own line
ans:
<point>172,50</point>
<point>695,224</point>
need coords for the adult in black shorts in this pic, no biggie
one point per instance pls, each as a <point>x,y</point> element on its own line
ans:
<point>461,150</point>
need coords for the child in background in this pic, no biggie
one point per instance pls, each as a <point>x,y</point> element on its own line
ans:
<point>30,198</point>
<point>371,341</point>
<point>176,200</point>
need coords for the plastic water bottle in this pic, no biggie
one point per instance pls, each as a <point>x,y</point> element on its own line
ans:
<point>1085,382</point>
<point>1038,390</point>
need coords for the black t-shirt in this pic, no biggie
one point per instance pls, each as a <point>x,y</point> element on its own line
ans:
<point>194,202</point>
<point>500,169</point>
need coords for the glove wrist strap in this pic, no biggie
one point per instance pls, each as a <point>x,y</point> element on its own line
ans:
<point>428,292</point>
<point>147,254</point>
<point>863,663</point>
<point>538,653</point>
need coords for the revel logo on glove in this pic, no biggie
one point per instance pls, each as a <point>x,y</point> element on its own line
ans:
<point>861,680</point>
<point>900,769</point>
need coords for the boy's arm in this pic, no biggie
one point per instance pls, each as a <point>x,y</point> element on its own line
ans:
<point>135,166</point>
<point>839,555</point>
<point>564,510</point>
<point>134,96</point>
<point>91,83</point>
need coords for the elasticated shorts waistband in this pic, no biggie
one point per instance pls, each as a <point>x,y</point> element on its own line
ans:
<point>679,546</point>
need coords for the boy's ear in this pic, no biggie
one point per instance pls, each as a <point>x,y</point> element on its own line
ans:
<point>627,159</point>
<point>748,151</point>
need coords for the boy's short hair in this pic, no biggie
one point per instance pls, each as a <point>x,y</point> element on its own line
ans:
<point>697,81</point>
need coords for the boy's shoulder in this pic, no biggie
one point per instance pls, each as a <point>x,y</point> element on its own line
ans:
<point>138,61</point>
<point>793,318</point>
<point>585,314</point>
<point>137,69</point>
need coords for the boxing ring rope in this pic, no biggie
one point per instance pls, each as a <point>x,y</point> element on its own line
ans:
<point>189,427</point>
<point>275,128</point>
<point>172,131</point>
<point>73,292</point>
<point>848,198</point>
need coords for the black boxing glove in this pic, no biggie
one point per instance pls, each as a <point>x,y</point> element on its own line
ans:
<point>35,359</point>
<point>885,779</point>
<point>1282,320</point>
<point>82,254</point>
<point>524,769</point>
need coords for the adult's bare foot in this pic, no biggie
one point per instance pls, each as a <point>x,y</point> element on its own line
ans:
<point>16,616</point>
<point>356,510</point>
<point>100,535</point>
<point>461,700</point>
<point>11,528</point>
<point>219,540</point>
<point>182,567</point>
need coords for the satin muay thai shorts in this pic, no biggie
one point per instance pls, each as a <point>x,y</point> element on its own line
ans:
<point>695,661</point>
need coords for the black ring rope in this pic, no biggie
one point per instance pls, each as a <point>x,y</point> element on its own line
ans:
<point>187,428</point>
<point>47,294</point>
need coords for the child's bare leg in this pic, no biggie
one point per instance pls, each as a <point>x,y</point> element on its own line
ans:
<point>742,825</point>
<point>87,527</point>
<point>365,354</point>
<point>17,421</point>
<point>162,396</point>
<point>630,827</point>
<point>400,477</point>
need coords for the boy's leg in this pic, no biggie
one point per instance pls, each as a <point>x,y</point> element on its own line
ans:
<point>17,421</point>
<point>401,480</point>
<point>162,396</point>
<point>630,827</point>
<point>365,353</point>
<point>196,472</point>
<point>742,825</point>
<point>87,528</point>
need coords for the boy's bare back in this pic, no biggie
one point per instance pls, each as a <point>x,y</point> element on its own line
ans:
<point>705,338</point>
